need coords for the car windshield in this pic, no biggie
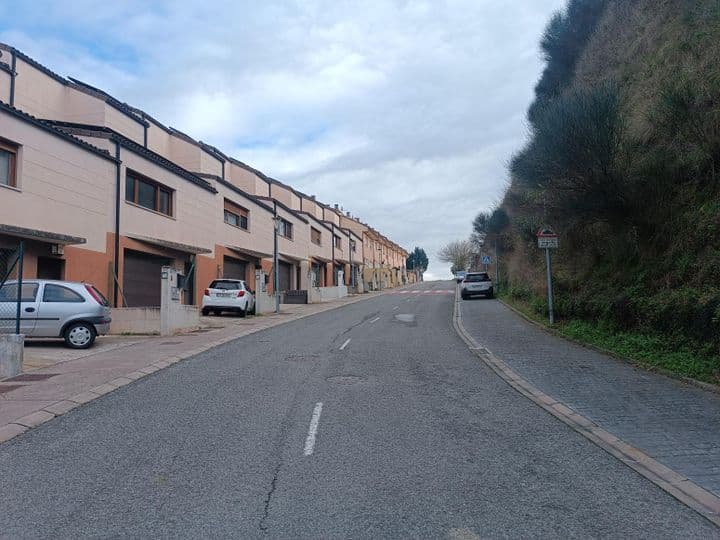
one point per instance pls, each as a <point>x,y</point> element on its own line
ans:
<point>477,277</point>
<point>226,285</point>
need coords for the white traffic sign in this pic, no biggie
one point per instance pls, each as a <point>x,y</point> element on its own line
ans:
<point>547,242</point>
<point>486,259</point>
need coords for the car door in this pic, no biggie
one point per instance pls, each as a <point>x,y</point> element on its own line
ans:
<point>57,305</point>
<point>28,307</point>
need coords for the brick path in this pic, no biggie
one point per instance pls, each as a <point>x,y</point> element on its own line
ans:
<point>676,423</point>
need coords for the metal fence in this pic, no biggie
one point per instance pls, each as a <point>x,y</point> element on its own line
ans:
<point>11,288</point>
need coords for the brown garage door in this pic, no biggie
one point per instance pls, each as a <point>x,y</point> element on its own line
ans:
<point>285,276</point>
<point>141,278</point>
<point>234,268</point>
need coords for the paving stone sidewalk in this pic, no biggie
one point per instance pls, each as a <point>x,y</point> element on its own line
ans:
<point>674,422</point>
<point>56,380</point>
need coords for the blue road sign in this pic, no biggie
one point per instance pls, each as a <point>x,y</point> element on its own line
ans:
<point>486,259</point>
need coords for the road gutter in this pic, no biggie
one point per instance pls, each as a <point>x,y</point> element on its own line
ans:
<point>692,495</point>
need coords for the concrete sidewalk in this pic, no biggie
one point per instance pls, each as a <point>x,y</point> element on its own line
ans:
<point>55,380</point>
<point>671,422</point>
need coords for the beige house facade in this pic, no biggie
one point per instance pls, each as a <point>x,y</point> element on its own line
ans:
<point>100,191</point>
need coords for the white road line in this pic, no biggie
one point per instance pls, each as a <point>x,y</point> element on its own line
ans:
<point>396,307</point>
<point>345,344</point>
<point>312,432</point>
<point>376,319</point>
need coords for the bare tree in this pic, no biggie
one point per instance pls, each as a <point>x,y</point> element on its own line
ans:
<point>458,253</point>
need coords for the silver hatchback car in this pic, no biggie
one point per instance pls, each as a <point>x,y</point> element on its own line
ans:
<point>76,312</point>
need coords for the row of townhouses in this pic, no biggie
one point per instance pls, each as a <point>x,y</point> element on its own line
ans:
<point>102,192</point>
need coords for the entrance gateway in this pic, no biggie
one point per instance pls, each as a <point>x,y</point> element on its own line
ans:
<point>141,278</point>
<point>234,268</point>
<point>285,271</point>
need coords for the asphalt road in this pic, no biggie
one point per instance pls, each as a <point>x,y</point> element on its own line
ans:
<point>415,437</point>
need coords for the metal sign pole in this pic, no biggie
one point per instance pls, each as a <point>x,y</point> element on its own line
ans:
<point>497,269</point>
<point>549,285</point>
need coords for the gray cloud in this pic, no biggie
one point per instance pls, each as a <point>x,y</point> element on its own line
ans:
<point>404,112</point>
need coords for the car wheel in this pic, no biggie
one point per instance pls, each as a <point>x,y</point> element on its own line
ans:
<point>464,296</point>
<point>80,335</point>
<point>205,312</point>
<point>243,311</point>
<point>217,312</point>
<point>491,294</point>
<point>252,311</point>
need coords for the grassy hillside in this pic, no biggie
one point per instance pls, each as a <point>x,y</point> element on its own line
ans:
<point>623,160</point>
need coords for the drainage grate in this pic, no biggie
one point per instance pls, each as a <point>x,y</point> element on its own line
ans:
<point>29,377</point>
<point>171,343</point>
<point>10,388</point>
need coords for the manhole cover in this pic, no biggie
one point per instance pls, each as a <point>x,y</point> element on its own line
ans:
<point>10,388</point>
<point>405,317</point>
<point>301,357</point>
<point>29,377</point>
<point>346,379</point>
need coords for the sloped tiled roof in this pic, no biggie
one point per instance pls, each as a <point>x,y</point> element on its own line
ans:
<point>138,149</point>
<point>50,128</point>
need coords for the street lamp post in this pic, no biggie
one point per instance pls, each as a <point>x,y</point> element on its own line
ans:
<point>277,220</point>
<point>352,270</point>
<point>380,273</point>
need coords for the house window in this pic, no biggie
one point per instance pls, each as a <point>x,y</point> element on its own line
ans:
<point>235,215</point>
<point>315,236</point>
<point>285,229</point>
<point>8,164</point>
<point>148,194</point>
<point>338,242</point>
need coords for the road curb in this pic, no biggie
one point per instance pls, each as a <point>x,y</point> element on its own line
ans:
<point>709,387</point>
<point>692,495</point>
<point>22,425</point>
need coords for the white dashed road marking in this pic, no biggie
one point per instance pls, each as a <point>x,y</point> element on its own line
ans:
<point>376,319</point>
<point>345,344</point>
<point>312,432</point>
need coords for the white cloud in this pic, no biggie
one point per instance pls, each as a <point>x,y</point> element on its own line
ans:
<point>405,112</point>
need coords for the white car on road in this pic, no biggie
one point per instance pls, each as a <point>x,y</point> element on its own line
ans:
<point>476,283</point>
<point>228,295</point>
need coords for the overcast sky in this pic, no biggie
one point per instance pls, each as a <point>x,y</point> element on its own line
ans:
<point>403,112</point>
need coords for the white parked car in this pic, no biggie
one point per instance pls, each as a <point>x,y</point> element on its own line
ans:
<point>228,295</point>
<point>476,283</point>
